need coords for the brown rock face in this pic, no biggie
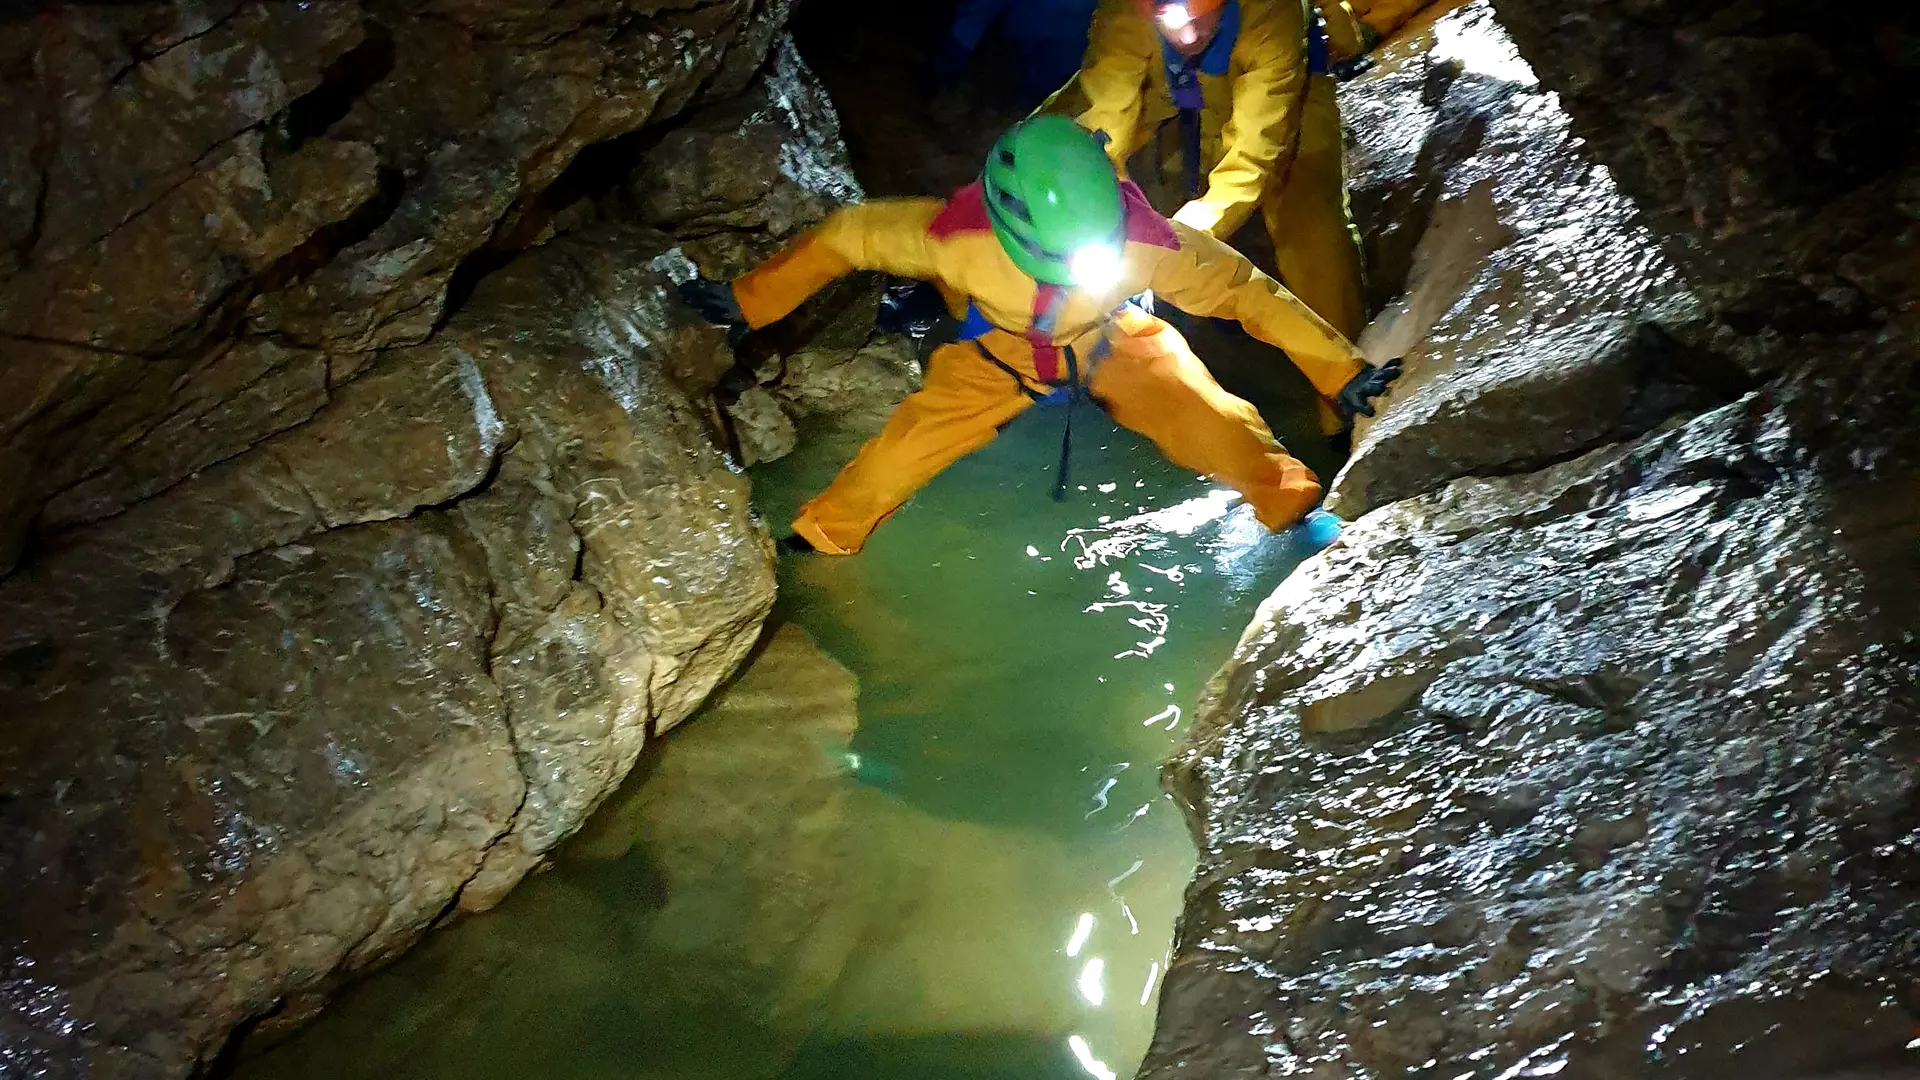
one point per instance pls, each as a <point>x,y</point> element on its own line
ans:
<point>1539,318</point>
<point>735,183</point>
<point>188,187</point>
<point>1774,146</point>
<point>1591,749</point>
<point>268,725</point>
<point>355,550</point>
<point>1604,770</point>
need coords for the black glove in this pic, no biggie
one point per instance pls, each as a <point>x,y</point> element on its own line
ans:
<point>1356,398</point>
<point>1351,68</point>
<point>714,302</point>
<point>913,308</point>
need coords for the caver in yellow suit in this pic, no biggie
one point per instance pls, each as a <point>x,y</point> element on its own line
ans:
<point>1355,26</point>
<point>987,244</point>
<point>1249,122</point>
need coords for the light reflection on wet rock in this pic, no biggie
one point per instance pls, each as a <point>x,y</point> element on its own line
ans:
<point>1565,772</point>
<point>1539,318</point>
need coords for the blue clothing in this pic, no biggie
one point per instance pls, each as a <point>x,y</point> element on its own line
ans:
<point>1050,36</point>
<point>974,325</point>
<point>1047,19</point>
<point>1046,64</point>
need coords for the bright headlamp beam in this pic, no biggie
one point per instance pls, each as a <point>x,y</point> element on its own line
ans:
<point>1175,16</point>
<point>1095,267</point>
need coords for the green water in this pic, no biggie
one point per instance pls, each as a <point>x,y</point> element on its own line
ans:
<point>1005,870</point>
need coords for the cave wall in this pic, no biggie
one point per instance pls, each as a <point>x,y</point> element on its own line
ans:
<point>215,213</point>
<point>1593,748</point>
<point>1773,144</point>
<point>368,499</point>
<point>1538,315</point>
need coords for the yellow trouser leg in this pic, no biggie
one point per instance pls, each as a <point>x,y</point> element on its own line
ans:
<point>960,405</point>
<point>1152,383</point>
<point>1315,245</point>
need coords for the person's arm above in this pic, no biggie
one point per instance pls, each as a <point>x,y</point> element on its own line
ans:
<point>1113,78</point>
<point>1206,277</point>
<point>1258,141</point>
<point>888,235</point>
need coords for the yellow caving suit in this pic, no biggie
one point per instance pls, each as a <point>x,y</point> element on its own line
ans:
<point>1354,25</point>
<point>1138,367</point>
<point>1269,139</point>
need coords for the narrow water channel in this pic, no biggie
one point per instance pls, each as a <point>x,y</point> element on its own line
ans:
<point>921,836</point>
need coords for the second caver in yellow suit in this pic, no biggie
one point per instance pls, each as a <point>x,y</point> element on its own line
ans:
<point>1137,366</point>
<point>1354,25</point>
<point>1270,140</point>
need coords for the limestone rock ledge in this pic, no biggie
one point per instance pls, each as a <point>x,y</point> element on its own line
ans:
<point>367,496</point>
<point>1592,749</point>
<point>213,213</point>
<point>1606,770</point>
<point>270,725</point>
<point>1539,318</point>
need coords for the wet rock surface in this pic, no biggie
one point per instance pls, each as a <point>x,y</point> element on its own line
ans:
<point>736,183</point>
<point>1539,318</point>
<point>1590,749</point>
<point>1773,151</point>
<point>356,550</point>
<point>1597,770</point>
<point>375,666</point>
<point>195,184</point>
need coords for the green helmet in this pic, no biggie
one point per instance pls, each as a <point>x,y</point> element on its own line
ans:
<point>1051,193</point>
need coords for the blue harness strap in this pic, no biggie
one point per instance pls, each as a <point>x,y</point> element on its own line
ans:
<point>975,326</point>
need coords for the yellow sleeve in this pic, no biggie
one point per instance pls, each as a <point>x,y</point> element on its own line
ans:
<point>1386,16</point>
<point>1345,36</point>
<point>1258,140</point>
<point>889,235</point>
<point>1113,78</point>
<point>1206,277</point>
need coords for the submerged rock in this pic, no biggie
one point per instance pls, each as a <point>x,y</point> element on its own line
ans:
<point>752,905</point>
<point>792,885</point>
